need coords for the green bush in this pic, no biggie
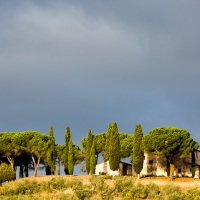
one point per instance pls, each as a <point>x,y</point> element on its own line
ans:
<point>123,183</point>
<point>75,183</point>
<point>7,173</point>
<point>57,183</point>
<point>97,182</point>
<point>107,176</point>
<point>82,194</point>
<point>193,193</point>
<point>20,187</point>
<point>170,188</point>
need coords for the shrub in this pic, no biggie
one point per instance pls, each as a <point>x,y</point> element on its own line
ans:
<point>193,193</point>
<point>7,173</point>
<point>57,183</point>
<point>20,187</point>
<point>170,189</point>
<point>123,183</point>
<point>82,194</point>
<point>102,173</point>
<point>75,184</point>
<point>97,182</point>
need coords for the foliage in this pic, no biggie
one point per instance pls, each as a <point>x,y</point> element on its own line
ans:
<point>70,158</point>
<point>123,183</point>
<point>10,147</point>
<point>7,173</point>
<point>138,154</point>
<point>107,144</point>
<point>99,140</point>
<point>126,143</point>
<point>60,148</point>
<point>60,153</point>
<point>93,161</point>
<point>78,154</point>
<point>193,164</point>
<point>51,152</point>
<point>89,142</point>
<point>114,154</point>
<point>37,147</point>
<point>169,141</point>
<point>67,139</point>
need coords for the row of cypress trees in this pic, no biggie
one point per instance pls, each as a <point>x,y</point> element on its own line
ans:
<point>66,154</point>
<point>112,149</point>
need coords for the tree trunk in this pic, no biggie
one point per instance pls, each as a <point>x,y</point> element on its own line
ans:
<point>21,171</point>
<point>193,164</point>
<point>171,171</point>
<point>11,161</point>
<point>168,168</point>
<point>36,165</point>
<point>59,167</point>
<point>48,170</point>
<point>26,170</point>
<point>138,176</point>
<point>35,171</point>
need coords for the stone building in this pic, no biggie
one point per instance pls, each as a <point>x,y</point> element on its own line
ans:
<point>124,169</point>
<point>157,165</point>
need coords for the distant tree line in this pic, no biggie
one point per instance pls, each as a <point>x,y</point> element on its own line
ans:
<point>31,150</point>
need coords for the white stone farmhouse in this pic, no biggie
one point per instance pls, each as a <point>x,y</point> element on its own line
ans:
<point>155,165</point>
<point>124,169</point>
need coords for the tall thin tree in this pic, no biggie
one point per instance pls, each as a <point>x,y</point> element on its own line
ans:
<point>70,158</point>
<point>138,154</point>
<point>93,160</point>
<point>89,142</point>
<point>114,154</point>
<point>67,139</point>
<point>107,145</point>
<point>51,153</point>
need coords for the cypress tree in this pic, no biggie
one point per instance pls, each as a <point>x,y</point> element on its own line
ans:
<point>93,161</point>
<point>138,154</point>
<point>51,154</point>
<point>51,131</point>
<point>70,158</point>
<point>114,154</point>
<point>89,142</point>
<point>67,139</point>
<point>195,146</point>
<point>107,145</point>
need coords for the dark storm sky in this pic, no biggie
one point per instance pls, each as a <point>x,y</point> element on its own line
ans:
<point>85,64</point>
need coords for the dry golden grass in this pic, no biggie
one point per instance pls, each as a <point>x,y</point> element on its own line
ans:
<point>161,182</point>
<point>184,183</point>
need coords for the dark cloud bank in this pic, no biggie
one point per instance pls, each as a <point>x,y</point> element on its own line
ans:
<point>85,64</point>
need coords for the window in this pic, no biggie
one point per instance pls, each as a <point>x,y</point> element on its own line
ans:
<point>151,162</point>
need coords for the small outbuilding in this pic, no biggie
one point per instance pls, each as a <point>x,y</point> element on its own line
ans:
<point>124,169</point>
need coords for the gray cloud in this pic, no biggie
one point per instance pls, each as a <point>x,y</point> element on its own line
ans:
<point>86,64</point>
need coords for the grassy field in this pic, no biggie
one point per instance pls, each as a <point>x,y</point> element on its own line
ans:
<point>100,187</point>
